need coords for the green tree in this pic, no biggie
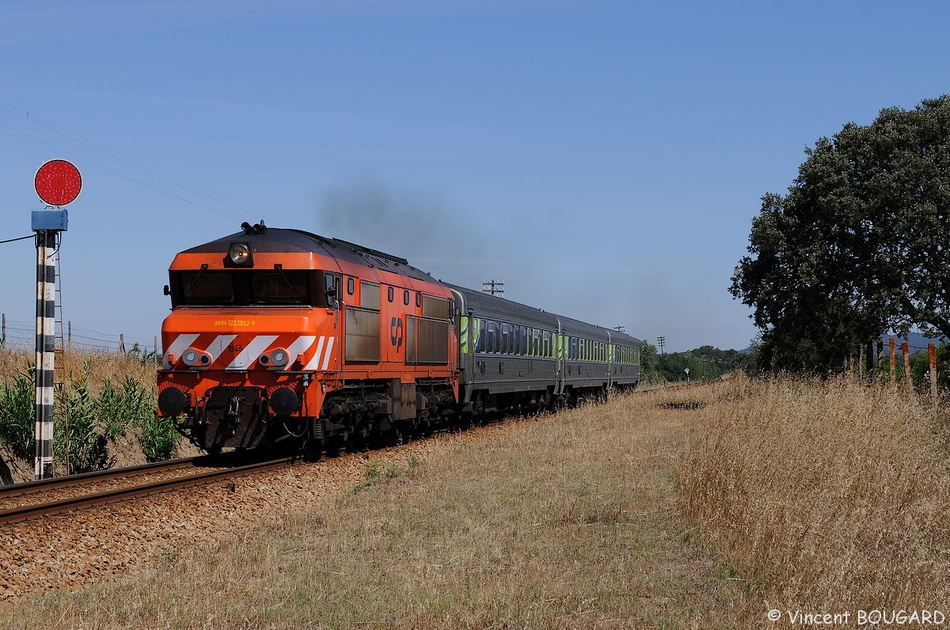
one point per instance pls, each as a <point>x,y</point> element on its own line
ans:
<point>649,363</point>
<point>858,245</point>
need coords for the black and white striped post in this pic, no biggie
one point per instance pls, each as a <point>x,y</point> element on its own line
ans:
<point>57,183</point>
<point>45,346</point>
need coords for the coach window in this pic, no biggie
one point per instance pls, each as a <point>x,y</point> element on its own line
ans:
<point>390,294</point>
<point>505,338</point>
<point>350,286</point>
<point>490,344</point>
<point>405,298</point>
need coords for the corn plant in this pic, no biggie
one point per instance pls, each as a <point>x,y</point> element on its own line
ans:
<point>84,447</point>
<point>159,438</point>
<point>18,414</point>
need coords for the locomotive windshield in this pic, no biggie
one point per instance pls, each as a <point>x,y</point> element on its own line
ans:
<point>251,287</point>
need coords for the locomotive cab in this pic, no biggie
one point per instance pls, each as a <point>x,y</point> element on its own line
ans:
<point>280,334</point>
<point>253,320</point>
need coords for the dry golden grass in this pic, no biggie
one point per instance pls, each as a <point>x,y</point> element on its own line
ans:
<point>826,496</point>
<point>558,522</point>
<point>83,366</point>
<point>679,508</point>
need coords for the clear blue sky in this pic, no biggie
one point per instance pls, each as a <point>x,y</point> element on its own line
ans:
<point>605,159</point>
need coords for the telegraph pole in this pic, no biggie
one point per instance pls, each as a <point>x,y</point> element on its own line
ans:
<point>495,287</point>
<point>57,183</point>
<point>621,328</point>
<point>661,341</point>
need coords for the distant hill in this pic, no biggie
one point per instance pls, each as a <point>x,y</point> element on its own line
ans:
<point>917,341</point>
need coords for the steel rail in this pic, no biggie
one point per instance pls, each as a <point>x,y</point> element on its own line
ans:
<point>32,487</point>
<point>31,512</point>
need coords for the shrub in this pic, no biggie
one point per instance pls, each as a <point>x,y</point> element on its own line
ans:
<point>79,445</point>
<point>18,414</point>
<point>159,439</point>
<point>120,410</point>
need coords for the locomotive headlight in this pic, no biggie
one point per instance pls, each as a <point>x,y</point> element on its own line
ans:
<point>278,357</point>
<point>239,254</point>
<point>193,357</point>
<point>190,356</point>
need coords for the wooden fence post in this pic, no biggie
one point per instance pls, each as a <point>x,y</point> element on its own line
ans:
<point>932,353</point>
<point>908,376</point>
<point>890,348</point>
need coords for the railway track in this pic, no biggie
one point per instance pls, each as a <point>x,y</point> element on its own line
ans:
<point>18,502</point>
<point>37,499</point>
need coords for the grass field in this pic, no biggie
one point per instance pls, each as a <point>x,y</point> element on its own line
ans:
<point>566,522</point>
<point>694,508</point>
<point>830,496</point>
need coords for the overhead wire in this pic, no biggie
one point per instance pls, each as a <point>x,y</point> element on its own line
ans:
<point>20,238</point>
<point>31,129</point>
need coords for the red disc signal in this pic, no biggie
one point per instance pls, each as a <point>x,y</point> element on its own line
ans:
<point>58,182</point>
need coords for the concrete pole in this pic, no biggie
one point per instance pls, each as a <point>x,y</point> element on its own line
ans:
<point>45,346</point>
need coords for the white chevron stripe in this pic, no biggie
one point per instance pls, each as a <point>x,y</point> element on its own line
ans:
<point>326,358</point>
<point>250,353</point>
<point>219,345</point>
<point>314,363</point>
<point>178,346</point>
<point>299,346</point>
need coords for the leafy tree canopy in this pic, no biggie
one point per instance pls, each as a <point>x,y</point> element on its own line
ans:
<point>858,246</point>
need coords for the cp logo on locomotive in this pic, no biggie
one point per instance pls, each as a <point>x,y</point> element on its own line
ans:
<point>395,331</point>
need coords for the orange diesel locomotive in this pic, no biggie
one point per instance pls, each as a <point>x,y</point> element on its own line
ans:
<point>275,334</point>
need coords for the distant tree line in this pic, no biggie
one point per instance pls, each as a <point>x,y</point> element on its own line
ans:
<point>704,363</point>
